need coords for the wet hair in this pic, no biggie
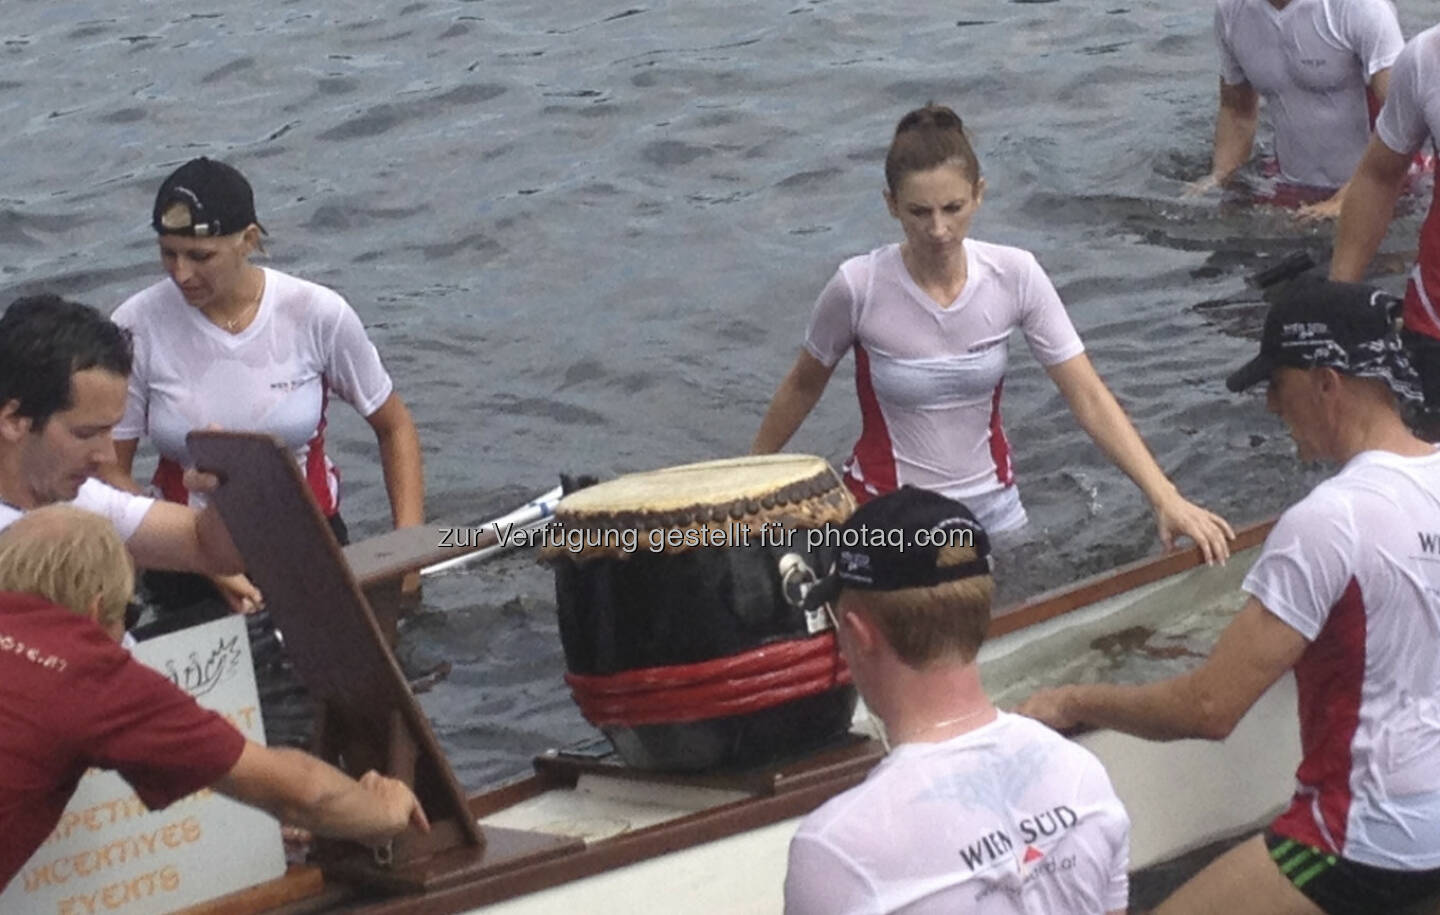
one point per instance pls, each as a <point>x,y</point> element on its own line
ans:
<point>928,138</point>
<point>44,340</point>
<point>69,557</point>
<point>927,624</point>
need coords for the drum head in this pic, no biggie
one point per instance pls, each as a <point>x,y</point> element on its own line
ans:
<point>615,517</point>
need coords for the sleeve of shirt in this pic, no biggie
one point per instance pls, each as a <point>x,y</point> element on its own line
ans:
<point>1048,331</point>
<point>832,323</point>
<point>1117,888</point>
<point>1230,70</point>
<point>125,510</point>
<point>1372,30</point>
<point>819,880</point>
<point>1401,123</point>
<point>1306,564</point>
<point>353,367</point>
<point>134,423</point>
<point>155,736</point>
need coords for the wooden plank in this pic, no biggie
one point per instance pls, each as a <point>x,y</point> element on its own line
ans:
<point>391,555</point>
<point>330,633</point>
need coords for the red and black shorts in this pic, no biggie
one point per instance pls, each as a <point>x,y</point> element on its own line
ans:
<point>1342,887</point>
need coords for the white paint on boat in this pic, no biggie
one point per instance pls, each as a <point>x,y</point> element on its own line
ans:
<point>1180,795</point>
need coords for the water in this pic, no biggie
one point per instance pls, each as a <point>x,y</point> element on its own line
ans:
<point>586,237</point>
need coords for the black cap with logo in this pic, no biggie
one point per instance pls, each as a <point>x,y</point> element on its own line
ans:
<point>894,541</point>
<point>1317,323</point>
<point>204,198</point>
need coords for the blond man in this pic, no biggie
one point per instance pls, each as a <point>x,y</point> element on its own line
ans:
<point>71,698</point>
<point>973,810</point>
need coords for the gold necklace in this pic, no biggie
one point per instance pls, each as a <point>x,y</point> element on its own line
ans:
<point>229,325</point>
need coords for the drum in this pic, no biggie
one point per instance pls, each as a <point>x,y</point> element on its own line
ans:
<point>680,643</point>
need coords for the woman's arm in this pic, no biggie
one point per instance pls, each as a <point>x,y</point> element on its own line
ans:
<point>793,401</point>
<point>400,459</point>
<point>1100,415</point>
<point>121,473</point>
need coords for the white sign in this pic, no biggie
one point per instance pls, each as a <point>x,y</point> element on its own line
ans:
<point>109,854</point>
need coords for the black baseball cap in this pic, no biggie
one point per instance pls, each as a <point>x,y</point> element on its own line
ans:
<point>1319,323</point>
<point>204,198</point>
<point>892,543</point>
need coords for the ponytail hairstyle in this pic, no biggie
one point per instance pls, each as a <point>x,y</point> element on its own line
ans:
<point>927,138</point>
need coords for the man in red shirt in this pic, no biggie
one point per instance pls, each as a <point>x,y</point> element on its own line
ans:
<point>71,698</point>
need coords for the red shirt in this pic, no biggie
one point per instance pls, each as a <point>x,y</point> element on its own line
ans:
<point>72,699</point>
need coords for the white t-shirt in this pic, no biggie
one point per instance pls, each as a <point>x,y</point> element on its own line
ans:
<point>929,378</point>
<point>275,376</point>
<point>125,510</point>
<point>1410,117</point>
<point>1312,62</point>
<point>1008,818</point>
<point>1354,567</point>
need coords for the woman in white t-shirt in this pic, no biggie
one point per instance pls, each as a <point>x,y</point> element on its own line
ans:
<point>929,320</point>
<point>225,343</point>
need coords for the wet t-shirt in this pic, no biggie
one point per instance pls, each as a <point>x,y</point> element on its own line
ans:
<point>929,377</point>
<point>1312,61</point>
<point>1008,818</point>
<point>1354,567</point>
<point>275,376</point>
<point>1410,119</point>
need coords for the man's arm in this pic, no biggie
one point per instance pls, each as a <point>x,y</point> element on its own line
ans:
<point>299,789</point>
<point>180,539</point>
<point>1367,210</point>
<point>1235,123</point>
<point>1252,653</point>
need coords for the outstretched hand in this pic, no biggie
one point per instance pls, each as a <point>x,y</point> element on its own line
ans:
<point>1179,516</point>
<point>1200,187</point>
<point>1048,706</point>
<point>239,592</point>
<point>1323,211</point>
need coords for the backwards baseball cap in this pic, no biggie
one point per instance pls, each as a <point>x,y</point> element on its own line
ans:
<point>893,543</point>
<point>204,198</point>
<point>1316,323</point>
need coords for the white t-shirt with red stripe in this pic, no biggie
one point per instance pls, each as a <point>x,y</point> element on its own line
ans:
<point>1007,819</point>
<point>1410,117</point>
<point>1313,62</point>
<point>929,377</point>
<point>1355,568</point>
<point>275,376</point>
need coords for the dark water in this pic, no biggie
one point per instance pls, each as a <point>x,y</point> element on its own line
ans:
<point>587,237</point>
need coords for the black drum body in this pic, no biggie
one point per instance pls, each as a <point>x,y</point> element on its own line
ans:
<point>673,611</point>
<point>689,657</point>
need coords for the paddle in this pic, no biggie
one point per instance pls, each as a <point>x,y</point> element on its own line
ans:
<point>498,530</point>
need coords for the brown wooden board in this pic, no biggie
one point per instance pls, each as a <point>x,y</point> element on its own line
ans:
<point>369,719</point>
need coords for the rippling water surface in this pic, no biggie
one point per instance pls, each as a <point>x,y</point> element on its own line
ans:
<point>586,237</point>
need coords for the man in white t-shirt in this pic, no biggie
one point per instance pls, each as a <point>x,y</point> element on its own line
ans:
<point>63,369</point>
<point>1410,118</point>
<point>1346,592</point>
<point>973,810</point>
<point>1315,62</point>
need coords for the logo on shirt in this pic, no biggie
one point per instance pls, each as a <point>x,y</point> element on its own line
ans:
<point>288,386</point>
<point>994,845</point>
<point>1429,542</point>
